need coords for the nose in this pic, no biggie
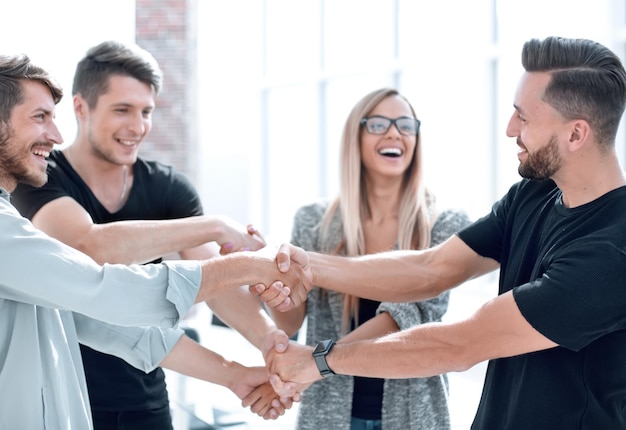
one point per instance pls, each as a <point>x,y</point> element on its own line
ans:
<point>138,124</point>
<point>53,134</point>
<point>512,128</point>
<point>393,128</point>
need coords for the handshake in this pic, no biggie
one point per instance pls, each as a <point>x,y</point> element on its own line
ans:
<point>289,365</point>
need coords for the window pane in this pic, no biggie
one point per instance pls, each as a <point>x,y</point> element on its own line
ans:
<point>358,35</point>
<point>293,155</point>
<point>292,36</point>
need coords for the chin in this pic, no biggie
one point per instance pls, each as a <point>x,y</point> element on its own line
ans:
<point>36,181</point>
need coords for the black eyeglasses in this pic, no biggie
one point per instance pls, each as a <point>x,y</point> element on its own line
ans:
<point>380,125</point>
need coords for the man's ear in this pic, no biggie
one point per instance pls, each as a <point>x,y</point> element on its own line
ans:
<point>580,132</point>
<point>80,106</point>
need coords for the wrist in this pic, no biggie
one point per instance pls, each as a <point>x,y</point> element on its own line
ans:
<point>320,353</point>
<point>233,372</point>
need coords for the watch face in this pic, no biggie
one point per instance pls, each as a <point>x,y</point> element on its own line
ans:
<point>321,346</point>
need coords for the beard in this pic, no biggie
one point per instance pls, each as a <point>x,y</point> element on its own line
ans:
<point>543,163</point>
<point>12,165</point>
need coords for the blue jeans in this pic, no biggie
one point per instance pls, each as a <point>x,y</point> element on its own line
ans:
<point>360,424</point>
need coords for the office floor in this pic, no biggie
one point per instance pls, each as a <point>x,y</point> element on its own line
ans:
<point>198,405</point>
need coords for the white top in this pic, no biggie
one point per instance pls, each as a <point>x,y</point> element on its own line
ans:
<point>41,374</point>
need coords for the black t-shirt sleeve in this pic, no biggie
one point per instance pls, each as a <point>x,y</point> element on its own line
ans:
<point>486,235</point>
<point>160,192</point>
<point>184,198</point>
<point>581,296</point>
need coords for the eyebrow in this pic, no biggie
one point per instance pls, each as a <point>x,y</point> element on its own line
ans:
<point>518,108</point>
<point>130,105</point>
<point>44,111</point>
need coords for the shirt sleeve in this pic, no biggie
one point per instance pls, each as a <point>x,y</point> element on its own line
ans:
<point>141,347</point>
<point>40,270</point>
<point>580,297</point>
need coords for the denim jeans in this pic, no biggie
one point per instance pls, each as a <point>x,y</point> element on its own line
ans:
<point>359,424</point>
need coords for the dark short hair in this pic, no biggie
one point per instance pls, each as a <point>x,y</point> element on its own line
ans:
<point>14,69</point>
<point>588,81</point>
<point>92,74</point>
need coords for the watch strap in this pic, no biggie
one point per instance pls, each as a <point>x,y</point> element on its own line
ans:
<point>319,354</point>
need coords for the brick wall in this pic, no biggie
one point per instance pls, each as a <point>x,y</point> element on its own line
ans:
<point>166,28</point>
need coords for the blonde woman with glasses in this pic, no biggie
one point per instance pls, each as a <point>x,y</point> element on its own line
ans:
<point>382,205</point>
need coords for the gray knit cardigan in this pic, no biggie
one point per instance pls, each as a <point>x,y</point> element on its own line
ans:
<point>408,404</point>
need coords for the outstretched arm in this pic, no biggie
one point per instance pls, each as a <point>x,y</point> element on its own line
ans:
<point>417,275</point>
<point>496,330</point>
<point>138,241</point>
<point>192,359</point>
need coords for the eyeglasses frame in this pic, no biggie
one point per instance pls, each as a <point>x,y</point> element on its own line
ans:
<point>393,122</point>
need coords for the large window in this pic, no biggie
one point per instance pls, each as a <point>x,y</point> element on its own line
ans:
<point>278,78</point>
<point>277,82</point>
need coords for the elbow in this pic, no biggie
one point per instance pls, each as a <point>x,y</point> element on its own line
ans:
<point>416,293</point>
<point>462,359</point>
<point>92,251</point>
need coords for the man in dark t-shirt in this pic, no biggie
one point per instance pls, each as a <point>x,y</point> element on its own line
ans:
<point>104,200</point>
<point>556,333</point>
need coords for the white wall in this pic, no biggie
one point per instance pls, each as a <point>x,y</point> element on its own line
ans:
<point>56,34</point>
<point>445,49</point>
<point>445,54</point>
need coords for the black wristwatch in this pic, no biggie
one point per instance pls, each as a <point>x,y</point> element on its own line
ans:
<point>319,354</point>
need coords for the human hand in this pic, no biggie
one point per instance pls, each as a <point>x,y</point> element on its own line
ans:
<point>253,388</point>
<point>276,340</point>
<point>264,402</point>
<point>292,371</point>
<point>275,296</point>
<point>281,296</point>
<point>234,237</point>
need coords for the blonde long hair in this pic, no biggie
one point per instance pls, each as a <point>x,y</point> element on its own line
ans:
<point>413,217</point>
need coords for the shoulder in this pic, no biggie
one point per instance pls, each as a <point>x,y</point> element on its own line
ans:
<point>311,213</point>
<point>447,223</point>
<point>306,225</point>
<point>158,171</point>
<point>153,168</point>
<point>451,218</point>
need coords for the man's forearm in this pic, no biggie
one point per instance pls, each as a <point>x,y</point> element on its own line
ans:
<point>245,268</point>
<point>370,276</point>
<point>141,241</point>
<point>244,313</point>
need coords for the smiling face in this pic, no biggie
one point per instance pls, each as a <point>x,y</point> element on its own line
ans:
<point>27,140</point>
<point>120,120</point>
<point>538,128</point>
<point>388,154</point>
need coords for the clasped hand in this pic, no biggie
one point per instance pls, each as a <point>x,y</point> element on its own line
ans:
<point>284,297</point>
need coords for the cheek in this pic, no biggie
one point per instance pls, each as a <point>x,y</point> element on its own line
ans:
<point>147,124</point>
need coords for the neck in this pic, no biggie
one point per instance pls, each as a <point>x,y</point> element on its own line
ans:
<point>588,183</point>
<point>383,201</point>
<point>108,181</point>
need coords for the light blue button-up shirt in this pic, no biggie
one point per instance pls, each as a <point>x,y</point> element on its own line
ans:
<point>42,383</point>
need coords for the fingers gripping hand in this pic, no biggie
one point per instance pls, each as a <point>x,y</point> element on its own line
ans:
<point>275,296</point>
<point>264,402</point>
<point>293,370</point>
<point>235,237</point>
<point>276,340</point>
<point>288,254</point>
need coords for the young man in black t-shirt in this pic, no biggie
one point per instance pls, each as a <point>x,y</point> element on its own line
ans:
<point>556,334</point>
